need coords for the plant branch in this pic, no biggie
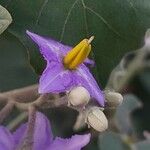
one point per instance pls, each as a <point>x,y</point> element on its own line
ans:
<point>25,94</point>
<point>43,101</point>
<point>27,143</point>
<point>17,121</point>
<point>6,110</point>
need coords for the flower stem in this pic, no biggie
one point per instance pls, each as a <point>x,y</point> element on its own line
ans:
<point>25,94</point>
<point>6,110</point>
<point>17,121</point>
<point>27,143</point>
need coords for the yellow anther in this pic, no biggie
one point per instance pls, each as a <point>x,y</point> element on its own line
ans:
<point>78,54</point>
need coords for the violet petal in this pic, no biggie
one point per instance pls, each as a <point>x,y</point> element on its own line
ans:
<point>76,142</point>
<point>19,134</point>
<point>6,139</point>
<point>51,50</point>
<point>90,62</point>
<point>42,134</point>
<point>86,79</point>
<point>55,79</point>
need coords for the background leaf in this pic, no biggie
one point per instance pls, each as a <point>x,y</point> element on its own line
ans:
<point>5,19</point>
<point>118,26</point>
<point>131,65</point>
<point>123,114</point>
<point>14,69</point>
<point>113,141</point>
<point>144,145</point>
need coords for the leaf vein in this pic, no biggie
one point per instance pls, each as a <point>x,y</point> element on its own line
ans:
<point>85,17</point>
<point>87,32</point>
<point>40,11</point>
<point>131,5</point>
<point>104,21</point>
<point>66,20</point>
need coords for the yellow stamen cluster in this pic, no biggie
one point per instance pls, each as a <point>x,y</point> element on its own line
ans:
<point>78,54</point>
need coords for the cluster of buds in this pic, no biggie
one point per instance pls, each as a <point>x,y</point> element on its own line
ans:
<point>93,116</point>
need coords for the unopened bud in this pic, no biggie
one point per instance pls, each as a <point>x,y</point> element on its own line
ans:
<point>97,119</point>
<point>113,99</point>
<point>78,96</point>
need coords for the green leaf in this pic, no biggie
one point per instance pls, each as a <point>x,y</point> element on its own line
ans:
<point>120,76</point>
<point>14,69</point>
<point>111,141</point>
<point>123,114</point>
<point>118,26</point>
<point>145,81</point>
<point>5,19</point>
<point>144,145</point>
<point>131,65</point>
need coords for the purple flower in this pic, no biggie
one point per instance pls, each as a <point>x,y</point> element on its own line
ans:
<point>43,137</point>
<point>56,78</point>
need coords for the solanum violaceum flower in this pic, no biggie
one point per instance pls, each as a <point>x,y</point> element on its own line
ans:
<point>65,67</point>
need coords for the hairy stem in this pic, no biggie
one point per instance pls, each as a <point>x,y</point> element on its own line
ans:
<point>6,110</point>
<point>17,121</point>
<point>43,102</point>
<point>27,143</point>
<point>25,94</point>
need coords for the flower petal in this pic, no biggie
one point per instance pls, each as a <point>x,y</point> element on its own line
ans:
<point>6,139</point>
<point>55,79</point>
<point>76,142</point>
<point>85,78</point>
<point>90,62</point>
<point>51,50</point>
<point>42,135</point>
<point>19,134</point>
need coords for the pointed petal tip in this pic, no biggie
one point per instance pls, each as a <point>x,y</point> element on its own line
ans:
<point>75,142</point>
<point>102,102</point>
<point>85,138</point>
<point>29,33</point>
<point>88,136</point>
<point>35,37</point>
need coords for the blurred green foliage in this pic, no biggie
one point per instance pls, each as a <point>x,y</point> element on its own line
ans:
<point>113,141</point>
